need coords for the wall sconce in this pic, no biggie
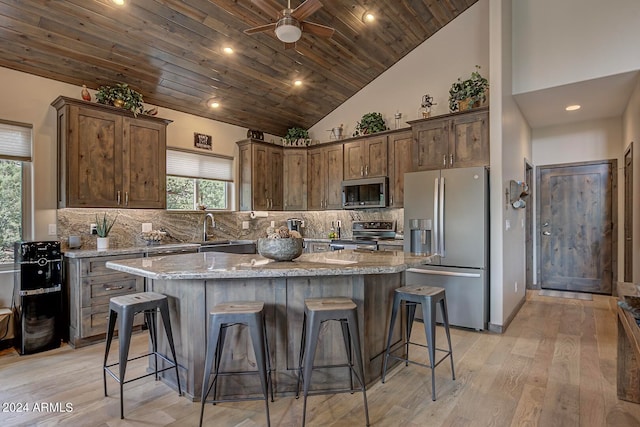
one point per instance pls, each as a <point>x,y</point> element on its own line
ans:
<point>517,190</point>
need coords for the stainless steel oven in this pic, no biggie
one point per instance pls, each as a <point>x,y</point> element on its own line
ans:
<point>366,235</point>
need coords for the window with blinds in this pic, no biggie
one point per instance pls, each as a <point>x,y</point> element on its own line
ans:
<point>198,181</point>
<point>15,158</point>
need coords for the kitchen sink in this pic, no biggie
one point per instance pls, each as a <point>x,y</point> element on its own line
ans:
<point>229,246</point>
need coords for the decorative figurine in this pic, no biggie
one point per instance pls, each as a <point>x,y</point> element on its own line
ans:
<point>85,93</point>
<point>427,103</point>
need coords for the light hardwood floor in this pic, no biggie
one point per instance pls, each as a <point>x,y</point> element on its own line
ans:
<point>555,366</point>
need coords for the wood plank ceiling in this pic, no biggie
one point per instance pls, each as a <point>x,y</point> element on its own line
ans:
<point>171,52</point>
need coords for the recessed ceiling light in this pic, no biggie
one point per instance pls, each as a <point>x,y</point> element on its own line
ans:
<point>228,50</point>
<point>297,82</point>
<point>118,2</point>
<point>212,103</point>
<point>368,17</point>
<point>573,107</point>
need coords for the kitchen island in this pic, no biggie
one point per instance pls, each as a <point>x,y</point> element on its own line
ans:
<point>195,283</point>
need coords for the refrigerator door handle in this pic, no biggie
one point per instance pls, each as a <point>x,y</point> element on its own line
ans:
<point>435,248</point>
<point>441,218</point>
<point>442,273</point>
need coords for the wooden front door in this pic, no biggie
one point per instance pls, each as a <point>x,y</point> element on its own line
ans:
<point>576,214</point>
<point>628,214</point>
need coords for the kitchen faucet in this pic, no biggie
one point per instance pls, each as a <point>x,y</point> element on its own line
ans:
<point>204,225</point>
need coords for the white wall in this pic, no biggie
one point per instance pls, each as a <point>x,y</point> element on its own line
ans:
<point>560,42</point>
<point>27,99</point>
<point>631,133</point>
<point>431,68</point>
<point>510,146</point>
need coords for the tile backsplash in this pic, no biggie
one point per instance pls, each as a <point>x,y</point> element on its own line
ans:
<point>188,226</point>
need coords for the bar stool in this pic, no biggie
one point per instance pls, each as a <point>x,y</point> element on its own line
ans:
<point>221,317</point>
<point>316,312</point>
<point>428,297</point>
<point>126,307</point>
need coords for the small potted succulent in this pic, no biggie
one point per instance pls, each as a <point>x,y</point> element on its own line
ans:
<point>370,123</point>
<point>296,136</point>
<point>469,93</point>
<point>103,228</point>
<point>121,96</point>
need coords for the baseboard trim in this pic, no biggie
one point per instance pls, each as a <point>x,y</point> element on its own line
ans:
<point>500,329</point>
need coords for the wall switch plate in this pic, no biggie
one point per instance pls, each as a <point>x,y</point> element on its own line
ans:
<point>147,226</point>
<point>339,224</point>
<point>273,223</point>
<point>507,225</point>
<point>516,286</point>
<point>52,230</point>
<point>245,225</point>
<point>93,229</point>
<point>302,224</point>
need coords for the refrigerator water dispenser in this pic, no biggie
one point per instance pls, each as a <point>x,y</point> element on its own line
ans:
<point>420,236</point>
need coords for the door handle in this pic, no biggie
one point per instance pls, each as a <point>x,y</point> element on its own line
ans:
<point>546,233</point>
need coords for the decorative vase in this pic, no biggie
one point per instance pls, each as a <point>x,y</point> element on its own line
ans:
<point>118,103</point>
<point>102,243</point>
<point>85,93</point>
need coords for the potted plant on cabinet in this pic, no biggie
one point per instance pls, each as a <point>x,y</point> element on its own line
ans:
<point>103,228</point>
<point>469,93</point>
<point>370,123</point>
<point>121,96</point>
<point>296,136</point>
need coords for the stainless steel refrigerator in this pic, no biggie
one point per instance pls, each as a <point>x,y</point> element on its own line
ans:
<point>454,203</point>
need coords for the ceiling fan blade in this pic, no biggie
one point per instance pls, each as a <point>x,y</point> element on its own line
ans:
<point>267,8</point>
<point>260,29</point>
<point>317,29</point>
<point>305,10</point>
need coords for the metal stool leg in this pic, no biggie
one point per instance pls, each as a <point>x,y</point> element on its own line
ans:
<point>411,315</point>
<point>268,351</point>
<point>346,336</point>
<point>164,312</point>
<point>212,344</point>
<point>352,321</point>
<point>124,339</point>
<point>113,315</point>
<point>257,338</point>
<point>445,320</point>
<point>392,322</point>
<point>301,355</point>
<point>312,333</point>
<point>429,318</point>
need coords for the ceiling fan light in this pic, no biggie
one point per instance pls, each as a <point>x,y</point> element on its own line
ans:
<point>288,30</point>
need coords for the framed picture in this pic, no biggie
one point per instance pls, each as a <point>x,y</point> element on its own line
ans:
<point>201,140</point>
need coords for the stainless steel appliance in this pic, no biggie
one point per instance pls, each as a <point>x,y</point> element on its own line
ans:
<point>366,235</point>
<point>456,202</point>
<point>295,224</point>
<point>365,193</point>
<point>420,236</point>
<point>38,313</point>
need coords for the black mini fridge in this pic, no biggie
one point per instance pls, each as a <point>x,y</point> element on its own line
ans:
<point>37,296</point>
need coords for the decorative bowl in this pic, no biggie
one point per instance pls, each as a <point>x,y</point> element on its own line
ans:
<point>280,249</point>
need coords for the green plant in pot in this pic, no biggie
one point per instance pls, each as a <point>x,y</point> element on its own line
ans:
<point>469,93</point>
<point>370,123</point>
<point>295,135</point>
<point>103,228</point>
<point>122,96</point>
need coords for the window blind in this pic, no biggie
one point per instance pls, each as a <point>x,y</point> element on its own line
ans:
<point>192,165</point>
<point>15,141</point>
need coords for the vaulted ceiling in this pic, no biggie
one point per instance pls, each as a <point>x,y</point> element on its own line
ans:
<point>172,52</point>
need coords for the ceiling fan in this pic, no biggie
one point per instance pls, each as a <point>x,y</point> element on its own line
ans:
<point>291,22</point>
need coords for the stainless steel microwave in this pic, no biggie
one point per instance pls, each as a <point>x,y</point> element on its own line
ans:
<point>365,193</point>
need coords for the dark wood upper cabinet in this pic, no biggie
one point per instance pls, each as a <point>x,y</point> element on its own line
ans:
<point>400,162</point>
<point>261,169</point>
<point>295,179</point>
<point>325,174</point>
<point>107,158</point>
<point>452,141</point>
<point>365,157</point>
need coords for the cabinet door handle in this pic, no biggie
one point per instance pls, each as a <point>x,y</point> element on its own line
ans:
<point>118,197</point>
<point>450,159</point>
<point>444,160</point>
<point>361,170</point>
<point>113,288</point>
<point>391,200</point>
<point>126,198</point>
<point>366,170</point>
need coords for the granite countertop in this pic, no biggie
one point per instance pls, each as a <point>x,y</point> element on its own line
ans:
<point>215,265</point>
<point>148,249</point>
